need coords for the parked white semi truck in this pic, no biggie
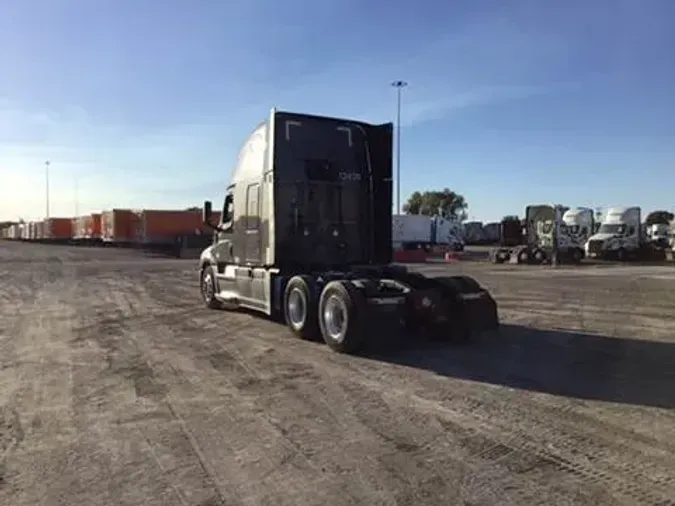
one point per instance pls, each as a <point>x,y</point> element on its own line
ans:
<point>579,225</point>
<point>620,235</point>
<point>546,223</point>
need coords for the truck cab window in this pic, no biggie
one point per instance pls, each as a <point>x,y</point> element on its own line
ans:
<point>228,213</point>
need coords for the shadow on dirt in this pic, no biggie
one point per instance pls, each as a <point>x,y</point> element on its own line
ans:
<point>585,366</point>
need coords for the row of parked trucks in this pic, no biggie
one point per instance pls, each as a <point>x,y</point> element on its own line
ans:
<point>572,234</point>
<point>118,227</point>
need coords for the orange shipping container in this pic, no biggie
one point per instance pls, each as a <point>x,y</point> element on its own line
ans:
<point>58,228</point>
<point>118,225</point>
<point>94,228</point>
<point>162,225</point>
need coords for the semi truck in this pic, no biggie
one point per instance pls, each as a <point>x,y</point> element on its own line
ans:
<point>305,237</point>
<point>546,225</point>
<point>620,236</point>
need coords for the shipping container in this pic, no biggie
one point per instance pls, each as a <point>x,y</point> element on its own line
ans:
<point>79,230</point>
<point>163,225</point>
<point>492,232</point>
<point>118,225</point>
<point>40,230</point>
<point>58,229</point>
<point>94,226</point>
<point>411,228</point>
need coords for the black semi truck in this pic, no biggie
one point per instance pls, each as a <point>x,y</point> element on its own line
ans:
<point>305,236</point>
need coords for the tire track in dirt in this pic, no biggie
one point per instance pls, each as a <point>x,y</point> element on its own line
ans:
<point>587,440</point>
<point>246,382</point>
<point>373,428</point>
<point>647,499</point>
<point>41,368</point>
<point>151,417</point>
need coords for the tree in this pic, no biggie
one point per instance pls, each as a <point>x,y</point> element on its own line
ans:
<point>414,204</point>
<point>193,209</point>
<point>659,217</point>
<point>445,203</point>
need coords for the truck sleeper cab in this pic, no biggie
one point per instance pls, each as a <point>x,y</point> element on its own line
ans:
<point>305,236</point>
<point>619,237</point>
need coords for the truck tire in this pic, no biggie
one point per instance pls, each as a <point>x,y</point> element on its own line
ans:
<point>523,256</point>
<point>207,286</point>
<point>342,317</point>
<point>621,255</point>
<point>301,307</point>
<point>577,256</point>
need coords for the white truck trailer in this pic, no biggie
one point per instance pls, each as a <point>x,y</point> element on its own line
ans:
<point>412,231</point>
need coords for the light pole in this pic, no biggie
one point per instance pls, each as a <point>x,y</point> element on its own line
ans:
<point>399,85</point>
<point>47,163</point>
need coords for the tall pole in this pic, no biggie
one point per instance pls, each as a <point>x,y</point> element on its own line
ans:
<point>399,85</point>
<point>47,163</point>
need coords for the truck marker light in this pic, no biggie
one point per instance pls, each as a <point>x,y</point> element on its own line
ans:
<point>349,134</point>
<point>288,126</point>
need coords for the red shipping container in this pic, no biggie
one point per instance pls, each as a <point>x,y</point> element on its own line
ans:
<point>94,230</point>
<point>58,228</point>
<point>161,225</point>
<point>118,225</point>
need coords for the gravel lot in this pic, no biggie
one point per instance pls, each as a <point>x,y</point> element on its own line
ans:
<point>118,388</point>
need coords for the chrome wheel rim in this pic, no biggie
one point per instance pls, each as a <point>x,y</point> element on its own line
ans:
<point>296,307</point>
<point>334,317</point>
<point>207,287</point>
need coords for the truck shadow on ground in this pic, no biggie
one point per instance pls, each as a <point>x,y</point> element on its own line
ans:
<point>570,364</point>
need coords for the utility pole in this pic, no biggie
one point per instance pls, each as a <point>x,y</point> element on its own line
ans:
<point>47,163</point>
<point>399,85</point>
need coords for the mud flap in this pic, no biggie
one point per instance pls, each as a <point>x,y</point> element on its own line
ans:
<point>479,311</point>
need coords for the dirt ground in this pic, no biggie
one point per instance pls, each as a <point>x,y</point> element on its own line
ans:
<point>118,388</point>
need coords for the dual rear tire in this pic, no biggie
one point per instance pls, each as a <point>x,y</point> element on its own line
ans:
<point>336,313</point>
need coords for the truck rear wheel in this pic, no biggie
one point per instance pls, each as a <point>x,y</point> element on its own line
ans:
<point>577,255</point>
<point>342,310</point>
<point>300,307</point>
<point>523,256</point>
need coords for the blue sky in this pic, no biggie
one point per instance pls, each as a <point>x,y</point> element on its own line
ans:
<point>145,103</point>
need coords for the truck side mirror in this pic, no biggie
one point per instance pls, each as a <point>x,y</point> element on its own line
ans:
<point>206,213</point>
